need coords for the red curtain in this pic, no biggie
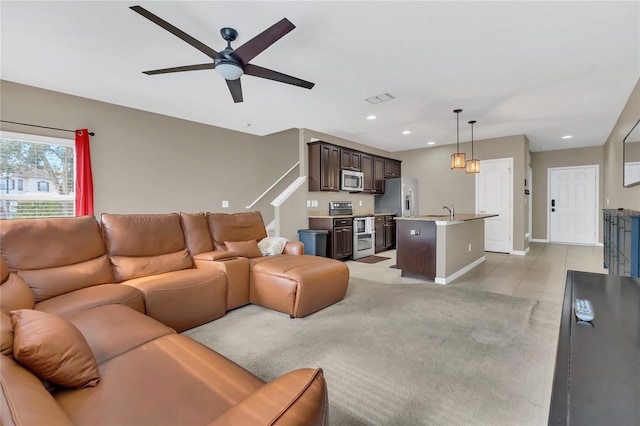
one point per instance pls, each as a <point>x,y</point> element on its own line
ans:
<point>84,178</point>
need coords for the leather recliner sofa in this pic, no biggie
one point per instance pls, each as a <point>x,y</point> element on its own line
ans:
<point>103,279</point>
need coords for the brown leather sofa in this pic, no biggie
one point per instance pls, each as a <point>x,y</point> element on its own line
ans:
<point>179,271</point>
<point>142,373</point>
<point>293,283</point>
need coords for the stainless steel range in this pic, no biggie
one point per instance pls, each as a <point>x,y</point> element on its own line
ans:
<point>364,234</point>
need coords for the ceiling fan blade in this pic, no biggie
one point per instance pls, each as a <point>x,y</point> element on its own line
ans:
<point>253,47</point>
<point>207,66</point>
<point>177,32</point>
<point>236,90</point>
<point>261,72</point>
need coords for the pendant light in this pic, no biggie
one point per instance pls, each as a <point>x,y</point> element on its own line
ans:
<point>458,159</point>
<point>473,165</point>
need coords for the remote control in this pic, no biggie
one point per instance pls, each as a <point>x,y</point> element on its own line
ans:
<point>583,310</point>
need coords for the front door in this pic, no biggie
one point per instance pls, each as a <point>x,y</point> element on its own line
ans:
<point>572,204</point>
<point>493,196</point>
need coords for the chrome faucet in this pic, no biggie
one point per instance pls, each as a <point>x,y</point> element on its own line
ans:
<point>451,211</point>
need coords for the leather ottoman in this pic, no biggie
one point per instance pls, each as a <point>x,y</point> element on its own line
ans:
<point>297,285</point>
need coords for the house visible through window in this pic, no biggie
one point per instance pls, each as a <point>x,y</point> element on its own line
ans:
<point>44,169</point>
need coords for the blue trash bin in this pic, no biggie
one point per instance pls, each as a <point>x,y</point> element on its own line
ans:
<point>314,240</point>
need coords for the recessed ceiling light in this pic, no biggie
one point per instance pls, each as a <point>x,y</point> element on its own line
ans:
<point>371,117</point>
<point>431,143</point>
<point>567,137</point>
<point>406,132</point>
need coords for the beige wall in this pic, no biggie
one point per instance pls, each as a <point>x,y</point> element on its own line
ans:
<point>615,195</point>
<point>439,185</point>
<point>150,163</point>
<point>145,162</point>
<point>456,239</point>
<point>544,160</point>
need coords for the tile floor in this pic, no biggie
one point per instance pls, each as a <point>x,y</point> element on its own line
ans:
<point>539,275</point>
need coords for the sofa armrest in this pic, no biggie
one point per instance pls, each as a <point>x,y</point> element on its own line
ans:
<point>299,397</point>
<point>293,247</point>
<point>216,255</point>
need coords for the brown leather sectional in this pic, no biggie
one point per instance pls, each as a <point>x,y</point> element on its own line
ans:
<point>128,284</point>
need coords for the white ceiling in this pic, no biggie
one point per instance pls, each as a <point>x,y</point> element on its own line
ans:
<point>544,69</point>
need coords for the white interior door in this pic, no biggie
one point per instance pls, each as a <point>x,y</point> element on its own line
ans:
<point>572,204</point>
<point>494,195</point>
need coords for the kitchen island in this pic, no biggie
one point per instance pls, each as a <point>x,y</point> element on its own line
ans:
<point>440,248</point>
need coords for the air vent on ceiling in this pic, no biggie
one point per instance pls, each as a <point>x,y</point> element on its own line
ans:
<point>380,98</point>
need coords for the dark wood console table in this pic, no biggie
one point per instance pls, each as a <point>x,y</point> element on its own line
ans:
<point>597,374</point>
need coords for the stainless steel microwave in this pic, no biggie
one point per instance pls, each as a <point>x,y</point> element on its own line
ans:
<point>351,181</point>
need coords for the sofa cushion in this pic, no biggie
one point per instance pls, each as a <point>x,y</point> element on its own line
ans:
<point>90,297</point>
<point>142,235</point>
<point>271,246</point>
<point>6,335</point>
<point>183,299</point>
<point>15,294</point>
<point>196,233</point>
<point>247,249</point>
<point>172,380</point>
<point>235,227</point>
<point>112,330</point>
<point>46,283</point>
<point>53,349</point>
<point>46,243</point>
<point>25,400</point>
<point>128,268</point>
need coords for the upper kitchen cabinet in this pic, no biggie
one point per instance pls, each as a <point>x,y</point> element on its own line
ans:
<point>392,168</point>
<point>373,170</point>
<point>350,160</point>
<point>327,160</point>
<point>324,167</point>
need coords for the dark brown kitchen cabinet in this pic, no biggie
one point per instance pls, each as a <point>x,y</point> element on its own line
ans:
<point>416,248</point>
<point>389,232</point>
<point>378,175</point>
<point>380,234</point>
<point>392,168</point>
<point>373,170</point>
<point>339,238</point>
<point>385,233</point>
<point>349,160</point>
<point>324,167</point>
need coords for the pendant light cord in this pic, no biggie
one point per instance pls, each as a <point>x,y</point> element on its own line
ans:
<point>472,122</point>
<point>457,111</point>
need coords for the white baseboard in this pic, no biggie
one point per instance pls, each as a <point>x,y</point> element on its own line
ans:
<point>539,240</point>
<point>520,252</point>
<point>447,280</point>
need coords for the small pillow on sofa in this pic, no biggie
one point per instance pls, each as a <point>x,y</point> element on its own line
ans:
<point>53,349</point>
<point>244,248</point>
<point>270,246</point>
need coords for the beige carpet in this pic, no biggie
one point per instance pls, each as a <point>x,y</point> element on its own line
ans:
<point>407,354</point>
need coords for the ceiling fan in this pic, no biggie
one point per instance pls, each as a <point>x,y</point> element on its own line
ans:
<point>231,63</point>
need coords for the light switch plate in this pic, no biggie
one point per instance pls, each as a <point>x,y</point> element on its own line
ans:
<point>225,204</point>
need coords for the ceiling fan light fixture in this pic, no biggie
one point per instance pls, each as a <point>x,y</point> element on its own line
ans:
<point>229,70</point>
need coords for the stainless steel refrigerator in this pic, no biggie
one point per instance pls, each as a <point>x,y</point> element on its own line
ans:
<point>400,196</point>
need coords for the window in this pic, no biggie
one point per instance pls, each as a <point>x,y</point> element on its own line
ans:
<point>44,169</point>
<point>43,186</point>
